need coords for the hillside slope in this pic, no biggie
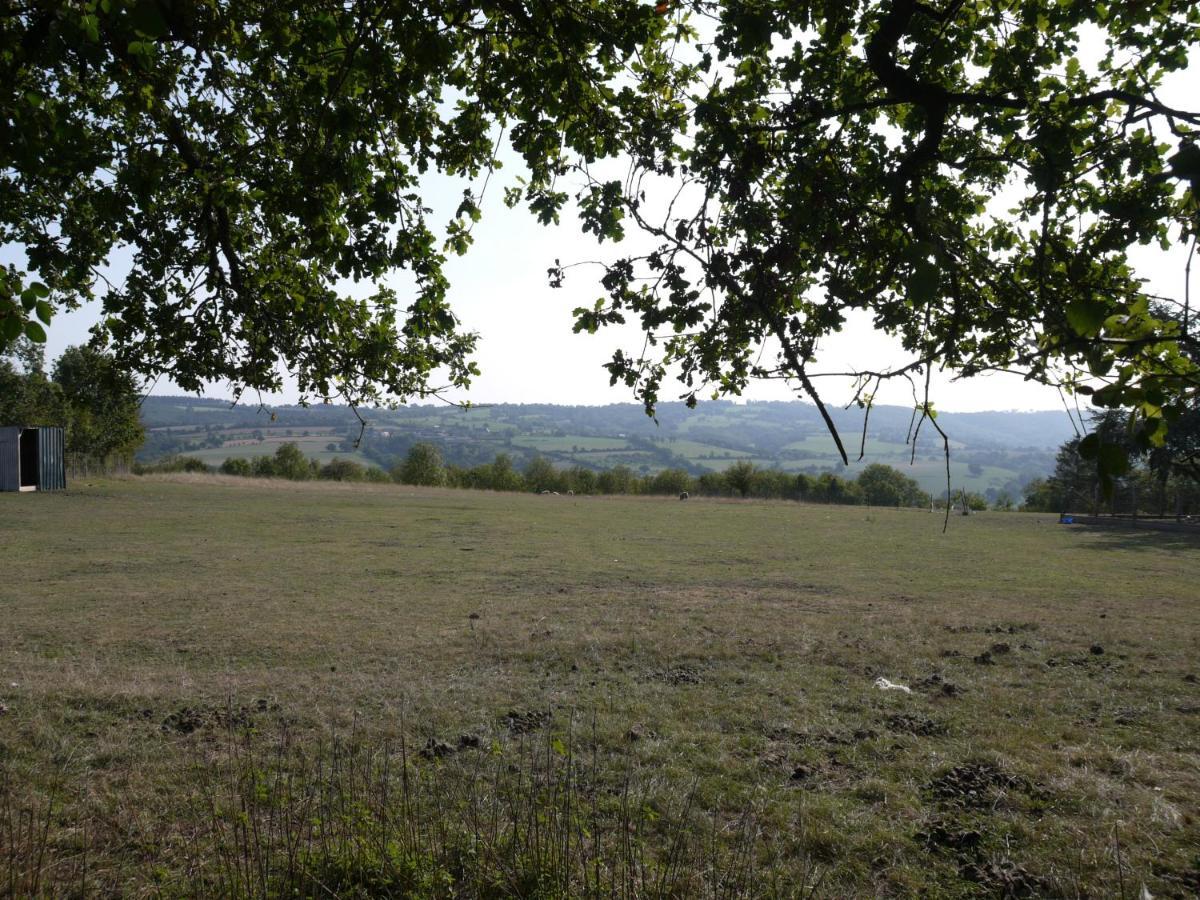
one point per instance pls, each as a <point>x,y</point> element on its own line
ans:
<point>990,451</point>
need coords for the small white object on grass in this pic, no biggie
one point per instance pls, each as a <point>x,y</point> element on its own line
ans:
<point>884,685</point>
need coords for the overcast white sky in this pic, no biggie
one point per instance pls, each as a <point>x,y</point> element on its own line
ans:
<point>528,353</point>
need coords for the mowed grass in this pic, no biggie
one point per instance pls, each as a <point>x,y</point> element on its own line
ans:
<point>715,659</point>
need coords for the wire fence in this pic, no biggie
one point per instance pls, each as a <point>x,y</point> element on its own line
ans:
<point>82,465</point>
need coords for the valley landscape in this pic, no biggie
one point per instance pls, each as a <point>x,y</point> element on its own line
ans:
<point>992,453</point>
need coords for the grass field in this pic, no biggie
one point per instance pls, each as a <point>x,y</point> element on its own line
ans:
<point>220,686</point>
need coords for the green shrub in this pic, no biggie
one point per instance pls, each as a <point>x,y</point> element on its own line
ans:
<point>423,466</point>
<point>671,481</point>
<point>339,469</point>
<point>172,464</point>
<point>237,465</point>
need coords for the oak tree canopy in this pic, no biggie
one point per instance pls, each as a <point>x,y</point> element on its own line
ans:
<point>255,157</point>
<point>972,174</point>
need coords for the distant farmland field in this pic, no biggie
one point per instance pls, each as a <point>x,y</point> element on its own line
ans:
<point>570,443</point>
<point>215,686</point>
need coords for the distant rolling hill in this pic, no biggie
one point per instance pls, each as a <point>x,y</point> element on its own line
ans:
<point>990,451</point>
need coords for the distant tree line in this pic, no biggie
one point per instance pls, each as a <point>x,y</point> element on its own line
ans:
<point>84,392</point>
<point>876,485</point>
<point>288,462</point>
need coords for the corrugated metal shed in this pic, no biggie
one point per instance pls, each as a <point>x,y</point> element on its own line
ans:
<point>32,459</point>
<point>10,459</point>
<point>52,462</point>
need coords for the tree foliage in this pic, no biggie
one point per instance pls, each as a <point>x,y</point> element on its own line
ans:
<point>290,462</point>
<point>541,475</point>
<point>1161,481</point>
<point>740,477</point>
<point>101,410</point>
<point>422,466</point>
<point>27,395</point>
<point>884,486</point>
<point>86,393</point>
<point>971,176</point>
<point>262,164</point>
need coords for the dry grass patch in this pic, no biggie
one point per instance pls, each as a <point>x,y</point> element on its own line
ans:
<point>507,694</point>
